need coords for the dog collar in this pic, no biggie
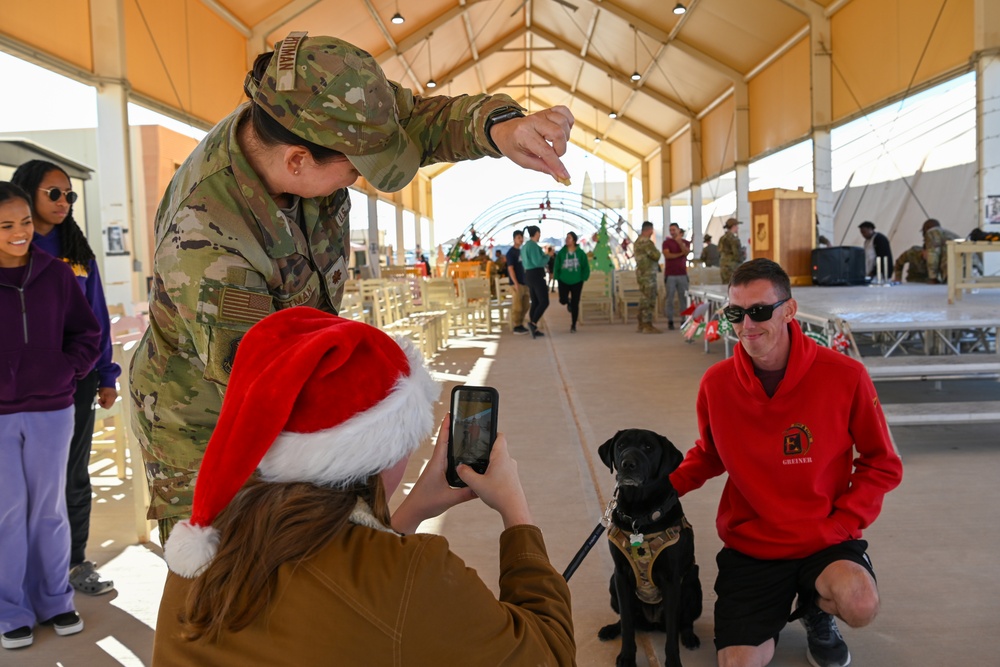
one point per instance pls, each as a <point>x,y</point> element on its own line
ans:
<point>644,519</point>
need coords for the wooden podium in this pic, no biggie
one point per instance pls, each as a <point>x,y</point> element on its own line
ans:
<point>783,229</point>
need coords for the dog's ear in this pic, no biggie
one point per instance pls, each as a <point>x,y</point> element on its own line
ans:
<point>672,456</point>
<point>607,451</point>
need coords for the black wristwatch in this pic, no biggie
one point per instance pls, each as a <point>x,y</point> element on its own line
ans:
<point>498,116</point>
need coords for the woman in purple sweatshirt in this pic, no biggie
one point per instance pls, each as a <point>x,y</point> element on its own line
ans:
<point>48,341</point>
<point>56,232</point>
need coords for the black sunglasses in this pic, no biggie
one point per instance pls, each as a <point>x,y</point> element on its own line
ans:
<point>55,193</point>
<point>759,313</point>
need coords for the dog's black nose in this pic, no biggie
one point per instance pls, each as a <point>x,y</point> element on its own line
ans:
<point>628,465</point>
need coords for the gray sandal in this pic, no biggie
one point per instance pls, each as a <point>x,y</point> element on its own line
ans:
<point>85,579</point>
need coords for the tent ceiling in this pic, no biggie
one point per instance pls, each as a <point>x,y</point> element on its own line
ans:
<point>580,53</point>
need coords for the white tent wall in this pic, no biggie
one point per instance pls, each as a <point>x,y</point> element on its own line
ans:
<point>949,195</point>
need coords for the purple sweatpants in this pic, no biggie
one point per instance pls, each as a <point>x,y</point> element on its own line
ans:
<point>34,528</point>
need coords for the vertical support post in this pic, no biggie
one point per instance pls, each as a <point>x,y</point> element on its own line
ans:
<point>697,225</point>
<point>742,167</point>
<point>400,250</point>
<point>987,58</point>
<point>822,118</point>
<point>373,249</point>
<point>114,160</point>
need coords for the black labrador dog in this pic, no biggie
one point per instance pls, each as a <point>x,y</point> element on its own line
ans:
<point>655,584</point>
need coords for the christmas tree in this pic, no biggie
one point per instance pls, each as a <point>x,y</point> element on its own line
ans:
<point>602,250</point>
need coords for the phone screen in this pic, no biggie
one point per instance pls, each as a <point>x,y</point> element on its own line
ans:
<point>473,429</point>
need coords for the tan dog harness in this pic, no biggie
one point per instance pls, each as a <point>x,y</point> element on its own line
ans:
<point>642,551</point>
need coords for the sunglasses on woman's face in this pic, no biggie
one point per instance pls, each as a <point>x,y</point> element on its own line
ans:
<point>55,193</point>
<point>759,313</point>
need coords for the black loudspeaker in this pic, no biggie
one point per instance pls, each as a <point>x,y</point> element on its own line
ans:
<point>841,265</point>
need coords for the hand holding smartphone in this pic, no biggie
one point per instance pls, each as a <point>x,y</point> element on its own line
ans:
<point>473,430</point>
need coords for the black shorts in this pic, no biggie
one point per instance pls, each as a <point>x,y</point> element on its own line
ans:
<point>755,596</point>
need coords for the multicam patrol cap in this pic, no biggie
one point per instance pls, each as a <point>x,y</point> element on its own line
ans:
<point>334,94</point>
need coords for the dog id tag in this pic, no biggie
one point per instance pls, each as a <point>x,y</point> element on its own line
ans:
<point>635,539</point>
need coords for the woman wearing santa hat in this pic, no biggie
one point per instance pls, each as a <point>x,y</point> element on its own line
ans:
<point>300,563</point>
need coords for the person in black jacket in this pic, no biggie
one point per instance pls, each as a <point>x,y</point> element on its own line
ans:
<point>877,250</point>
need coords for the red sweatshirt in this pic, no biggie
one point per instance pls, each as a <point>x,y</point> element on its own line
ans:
<point>794,486</point>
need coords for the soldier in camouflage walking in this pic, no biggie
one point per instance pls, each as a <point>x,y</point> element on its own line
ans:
<point>256,220</point>
<point>647,257</point>
<point>731,251</point>
<point>935,238</point>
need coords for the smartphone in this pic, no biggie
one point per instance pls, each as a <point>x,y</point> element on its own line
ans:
<point>473,430</point>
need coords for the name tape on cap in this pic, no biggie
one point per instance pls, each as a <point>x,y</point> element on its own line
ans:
<point>286,60</point>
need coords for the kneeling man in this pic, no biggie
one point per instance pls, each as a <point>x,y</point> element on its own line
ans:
<point>786,419</point>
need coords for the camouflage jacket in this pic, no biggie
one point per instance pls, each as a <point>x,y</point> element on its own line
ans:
<point>225,257</point>
<point>937,237</point>
<point>646,257</point>
<point>731,251</point>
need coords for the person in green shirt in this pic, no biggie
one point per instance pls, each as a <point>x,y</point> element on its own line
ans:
<point>571,271</point>
<point>535,260</point>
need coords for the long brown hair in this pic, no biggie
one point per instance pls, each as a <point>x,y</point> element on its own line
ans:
<point>267,525</point>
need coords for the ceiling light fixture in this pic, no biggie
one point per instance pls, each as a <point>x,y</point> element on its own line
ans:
<point>398,19</point>
<point>635,62</point>
<point>431,83</point>
<point>679,9</point>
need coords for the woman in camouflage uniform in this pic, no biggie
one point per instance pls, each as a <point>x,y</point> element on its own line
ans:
<point>256,220</point>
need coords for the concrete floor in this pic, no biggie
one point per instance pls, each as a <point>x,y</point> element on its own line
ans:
<point>934,547</point>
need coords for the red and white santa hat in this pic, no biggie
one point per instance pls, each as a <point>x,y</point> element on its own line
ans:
<point>311,398</point>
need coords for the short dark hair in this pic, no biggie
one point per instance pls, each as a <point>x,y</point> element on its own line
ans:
<point>532,230</point>
<point>646,224</point>
<point>576,239</point>
<point>674,224</point>
<point>518,232</point>
<point>763,269</point>
<point>868,224</point>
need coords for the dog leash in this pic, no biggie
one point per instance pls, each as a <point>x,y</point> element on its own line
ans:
<point>593,537</point>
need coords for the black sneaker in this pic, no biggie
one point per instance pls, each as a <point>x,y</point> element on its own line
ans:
<point>520,330</point>
<point>17,638</point>
<point>535,333</point>
<point>670,324</point>
<point>827,647</point>
<point>572,329</point>
<point>69,623</point>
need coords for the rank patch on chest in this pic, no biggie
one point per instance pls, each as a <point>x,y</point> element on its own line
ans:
<point>237,305</point>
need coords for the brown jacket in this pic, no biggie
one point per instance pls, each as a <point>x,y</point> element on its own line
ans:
<point>373,597</point>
